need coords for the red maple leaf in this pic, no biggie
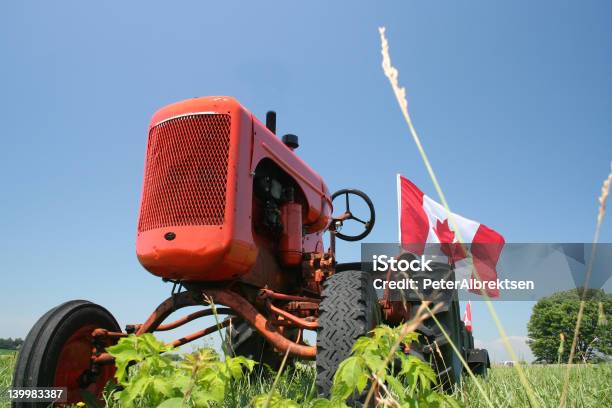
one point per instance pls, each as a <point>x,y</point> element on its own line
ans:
<point>444,233</point>
<point>454,250</point>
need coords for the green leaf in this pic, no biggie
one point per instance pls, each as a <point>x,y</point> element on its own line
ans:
<point>410,337</point>
<point>451,402</point>
<point>162,386</point>
<point>171,403</point>
<point>124,353</point>
<point>203,397</point>
<point>384,331</point>
<point>148,344</point>
<point>320,403</point>
<point>365,344</point>
<point>437,400</point>
<point>136,349</point>
<point>273,401</point>
<point>374,362</point>
<point>180,381</point>
<point>135,390</point>
<point>350,376</point>
<point>417,373</point>
<point>396,386</point>
<point>235,366</point>
<point>324,403</point>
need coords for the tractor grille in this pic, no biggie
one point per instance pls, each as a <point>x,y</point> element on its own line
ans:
<point>186,172</point>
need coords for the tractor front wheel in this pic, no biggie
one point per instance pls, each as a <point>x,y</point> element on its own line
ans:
<point>348,310</point>
<point>57,352</point>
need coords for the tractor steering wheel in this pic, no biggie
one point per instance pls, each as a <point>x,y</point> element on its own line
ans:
<point>337,222</point>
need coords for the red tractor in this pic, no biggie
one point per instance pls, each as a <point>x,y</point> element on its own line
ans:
<point>230,214</point>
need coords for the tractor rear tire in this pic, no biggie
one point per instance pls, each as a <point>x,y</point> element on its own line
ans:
<point>348,310</point>
<point>435,348</point>
<point>478,361</point>
<point>480,369</point>
<point>57,352</point>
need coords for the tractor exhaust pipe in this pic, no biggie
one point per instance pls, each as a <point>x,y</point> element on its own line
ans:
<point>271,121</point>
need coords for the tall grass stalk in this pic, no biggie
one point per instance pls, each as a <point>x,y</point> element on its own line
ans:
<point>278,375</point>
<point>601,213</point>
<point>400,93</point>
<point>561,348</point>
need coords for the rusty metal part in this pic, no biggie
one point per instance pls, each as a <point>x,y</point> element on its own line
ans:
<point>332,239</point>
<point>303,323</point>
<point>104,333</point>
<point>201,333</point>
<point>257,320</point>
<point>133,328</point>
<point>316,267</point>
<point>333,226</point>
<point>395,311</point>
<point>268,293</point>
<point>167,307</point>
<point>302,306</point>
<point>153,323</point>
<point>236,303</point>
<point>281,323</point>
<point>102,359</point>
<point>267,271</point>
<point>193,316</point>
<point>106,358</point>
<point>343,217</point>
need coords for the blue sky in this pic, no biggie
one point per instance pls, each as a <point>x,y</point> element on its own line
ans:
<point>512,101</point>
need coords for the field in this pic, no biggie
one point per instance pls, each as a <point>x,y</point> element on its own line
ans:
<point>591,386</point>
<point>7,362</point>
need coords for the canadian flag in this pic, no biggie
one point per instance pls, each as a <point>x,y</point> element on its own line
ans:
<point>423,221</point>
<point>467,316</point>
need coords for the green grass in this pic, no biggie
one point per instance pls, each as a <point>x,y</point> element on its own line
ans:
<point>590,386</point>
<point>7,363</point>
<point>296,383</point>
